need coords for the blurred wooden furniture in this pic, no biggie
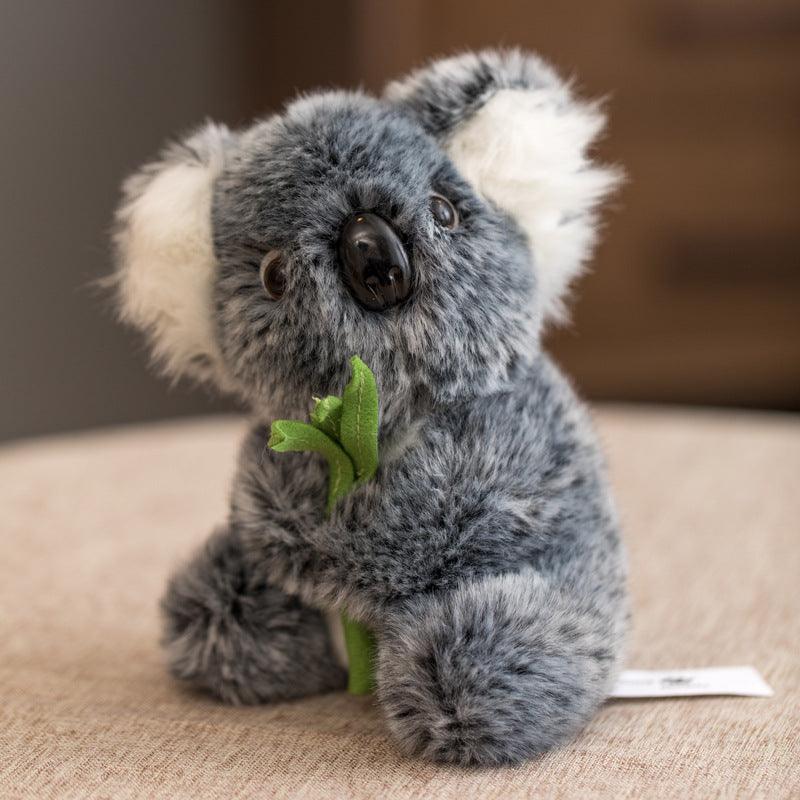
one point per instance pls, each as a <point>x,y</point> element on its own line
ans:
<point>695,292</point>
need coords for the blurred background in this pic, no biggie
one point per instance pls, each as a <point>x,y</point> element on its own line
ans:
<point>694,295</point>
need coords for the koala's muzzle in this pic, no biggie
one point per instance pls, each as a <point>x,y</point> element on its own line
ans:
<point>374,262</point>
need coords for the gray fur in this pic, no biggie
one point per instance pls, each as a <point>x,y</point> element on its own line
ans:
<point>294,180</point>
<point>447,92</point>
<point>485,554</point>
<point>229,632</point>
<point>498,670</point>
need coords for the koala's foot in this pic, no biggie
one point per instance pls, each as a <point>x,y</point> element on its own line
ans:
<point>228,632</point>
<point>495,672</point>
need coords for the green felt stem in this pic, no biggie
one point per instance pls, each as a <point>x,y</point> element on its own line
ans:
<point>360,644</point>
<point>345,431</point>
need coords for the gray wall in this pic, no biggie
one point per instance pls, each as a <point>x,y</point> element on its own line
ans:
<point>88,91</point>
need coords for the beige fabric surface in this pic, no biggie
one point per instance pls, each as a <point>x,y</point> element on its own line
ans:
<point>92,523</point>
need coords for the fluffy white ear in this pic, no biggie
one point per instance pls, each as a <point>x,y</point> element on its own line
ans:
<point>165,255</point>
<point>527,151</point>
<point>513,129</point>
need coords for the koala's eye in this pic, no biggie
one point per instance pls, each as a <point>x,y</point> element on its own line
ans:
<point>273,274</point>
<point>443,211</point>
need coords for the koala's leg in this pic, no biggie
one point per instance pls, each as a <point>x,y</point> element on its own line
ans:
<point>496,671</point>
<point>227,631</point>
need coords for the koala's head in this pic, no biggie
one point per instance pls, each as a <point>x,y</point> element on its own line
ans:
<point>430,231</point>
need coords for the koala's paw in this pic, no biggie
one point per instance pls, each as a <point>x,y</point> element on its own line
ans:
<point>229,633</point>
<point>494,673</point>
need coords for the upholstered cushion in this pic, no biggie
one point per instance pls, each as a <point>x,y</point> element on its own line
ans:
<point>92,523</point>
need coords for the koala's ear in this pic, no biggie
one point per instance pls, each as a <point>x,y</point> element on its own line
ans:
<point>513,129</point>
<point>165,256</point>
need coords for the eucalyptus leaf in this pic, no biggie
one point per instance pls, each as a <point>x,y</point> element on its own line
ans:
<point>288,436</point>
<point>327,416</point>
<point>345,431</point>
<point>359,424</point>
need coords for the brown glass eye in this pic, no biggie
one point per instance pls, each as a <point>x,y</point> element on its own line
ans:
<point>443,212</point>
<point>273,274</point>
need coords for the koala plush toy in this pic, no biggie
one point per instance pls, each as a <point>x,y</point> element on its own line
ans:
<point>433,232</point>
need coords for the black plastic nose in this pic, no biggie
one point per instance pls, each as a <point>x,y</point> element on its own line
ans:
<point>374,261</point>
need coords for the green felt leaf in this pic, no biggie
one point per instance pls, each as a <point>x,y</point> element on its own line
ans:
<point>288,436</point>
<point>359,423</point>
<point>327,416</point>
<point>345,431</point>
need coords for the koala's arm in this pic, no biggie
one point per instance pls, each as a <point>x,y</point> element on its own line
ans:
<point>492,487</point>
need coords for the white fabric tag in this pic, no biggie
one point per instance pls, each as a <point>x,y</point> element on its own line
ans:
<point>740,681</point>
